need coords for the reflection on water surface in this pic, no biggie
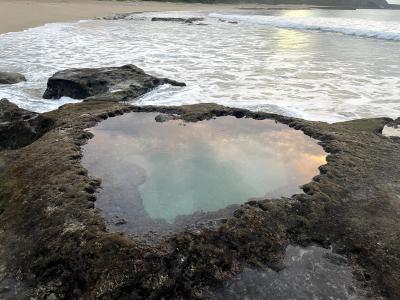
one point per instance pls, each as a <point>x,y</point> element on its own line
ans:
<point>309,273</point>
<point>154,174</point>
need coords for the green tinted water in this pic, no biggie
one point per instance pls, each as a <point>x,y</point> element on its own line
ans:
<point>158,171</point>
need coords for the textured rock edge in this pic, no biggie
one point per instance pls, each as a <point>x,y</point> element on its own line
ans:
<point>53,239</point>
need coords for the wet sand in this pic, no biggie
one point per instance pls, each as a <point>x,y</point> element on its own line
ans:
<point>17,15</point>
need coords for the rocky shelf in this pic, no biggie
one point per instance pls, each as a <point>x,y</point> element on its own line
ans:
<point>55,242</point>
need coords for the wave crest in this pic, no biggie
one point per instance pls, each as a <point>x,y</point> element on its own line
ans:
<point>354,27</point>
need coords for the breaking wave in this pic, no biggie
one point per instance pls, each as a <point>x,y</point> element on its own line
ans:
<point>354,27</point>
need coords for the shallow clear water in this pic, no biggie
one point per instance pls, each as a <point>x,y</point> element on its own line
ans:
<point>319,65</point>
<point>157,171</point>
<point>309,273</point>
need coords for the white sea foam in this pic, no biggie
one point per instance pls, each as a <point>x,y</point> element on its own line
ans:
<point>357,27</point>
<point>292,72</point>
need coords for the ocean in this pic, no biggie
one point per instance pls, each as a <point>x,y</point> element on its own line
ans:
<point>325,65</point>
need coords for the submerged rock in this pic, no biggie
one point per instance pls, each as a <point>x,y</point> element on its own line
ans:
<point>309,273</point>
<point>110,83</point>
<point>183,20</point>
<point>19,127</point>
<point>11,78</point>
<point>226,21</point>
<point>199,24</point>
<point>115,17</point>
<point>165,118</point>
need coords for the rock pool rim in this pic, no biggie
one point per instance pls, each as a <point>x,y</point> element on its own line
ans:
<point>162,223</point>
<point>168,113</point>
<point>178,112</point>
<point>210,256</point>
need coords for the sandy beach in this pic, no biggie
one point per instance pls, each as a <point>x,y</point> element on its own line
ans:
<point>17,15</point>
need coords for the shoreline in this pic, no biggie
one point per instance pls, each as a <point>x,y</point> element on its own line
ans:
<point>18,15</point>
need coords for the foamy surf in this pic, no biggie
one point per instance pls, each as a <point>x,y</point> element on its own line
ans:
<point>355,27</point>
<point>298,73</point>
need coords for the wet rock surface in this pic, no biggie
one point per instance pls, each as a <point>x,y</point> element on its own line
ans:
<point>308,273</point>
<point>181,20</point>
<point>11,78</point>
<point>11,288</point>
<point>229,22</point>
<point>161,118</point>
<point>115,17</point>
<point>51,236</point>
<point>111,84</point>
<point>19,127</point>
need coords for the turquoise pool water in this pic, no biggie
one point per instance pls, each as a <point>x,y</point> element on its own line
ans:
<point>153,173</point>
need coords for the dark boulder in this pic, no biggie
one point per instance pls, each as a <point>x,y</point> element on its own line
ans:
<point>115,17</point>
<point>226,21</point>
<point>161,118</point>
<point>11,78</point>
<point>20,127</point>
<point>110,83</point>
